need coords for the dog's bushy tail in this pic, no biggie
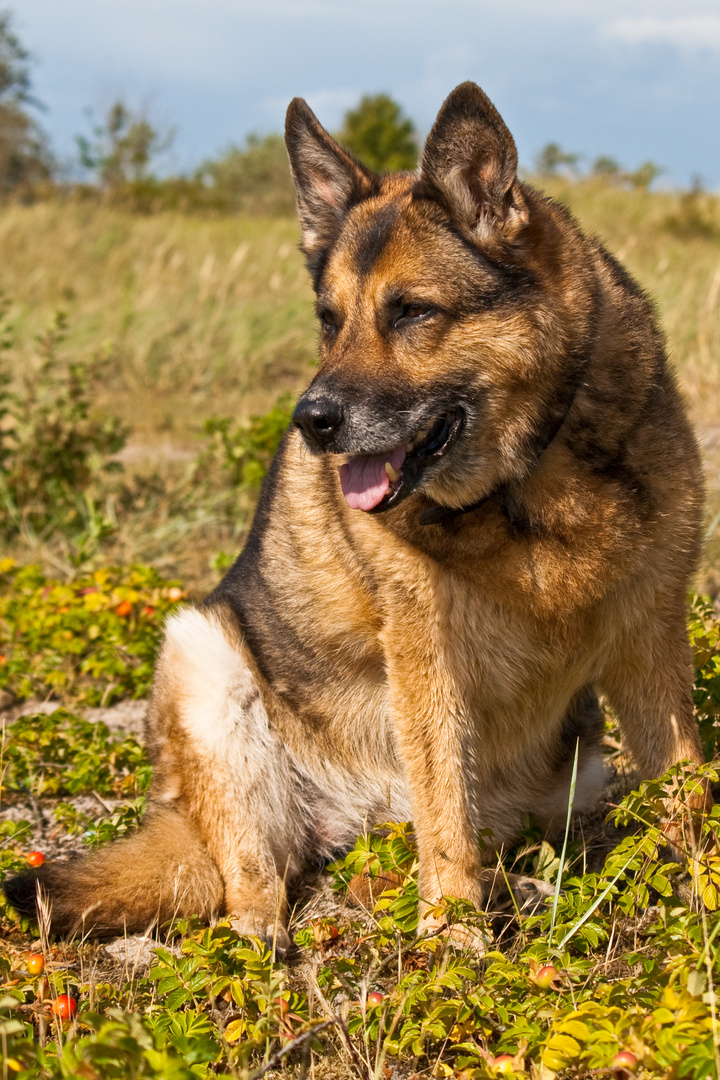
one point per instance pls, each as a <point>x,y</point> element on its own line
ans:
<point>162,871</point>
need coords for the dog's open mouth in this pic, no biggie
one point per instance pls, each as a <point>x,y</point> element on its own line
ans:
<point>377,482</point>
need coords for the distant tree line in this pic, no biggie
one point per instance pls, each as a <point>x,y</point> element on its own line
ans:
<point>120,156</point>
<point>25,158</point>
<point>553,161</point>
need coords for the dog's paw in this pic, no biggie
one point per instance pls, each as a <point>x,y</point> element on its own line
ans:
<point>530,893</point>
<point>470,933</point>
<point>274,934</point>
<point>512,894</point>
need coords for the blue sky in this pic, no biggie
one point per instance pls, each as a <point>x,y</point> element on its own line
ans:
<point>636,79</point>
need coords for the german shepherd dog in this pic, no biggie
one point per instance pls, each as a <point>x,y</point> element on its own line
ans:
<point>485,514</point>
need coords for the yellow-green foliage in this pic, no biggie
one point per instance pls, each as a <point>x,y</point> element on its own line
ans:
<point>91,641</point>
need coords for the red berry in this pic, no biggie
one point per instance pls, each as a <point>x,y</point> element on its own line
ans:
<point>148,610</point>
<point>625,1060</point>
<point>375,998</point>
<point>64,1006</point>
<point>35,963</point>
<point>123,609</point>
<point>503,1063</point>
<point>283,1005</point>
<point>35,858</point>
<point>548,978</point>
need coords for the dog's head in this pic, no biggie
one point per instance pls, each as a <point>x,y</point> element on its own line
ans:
<point>439,294</point>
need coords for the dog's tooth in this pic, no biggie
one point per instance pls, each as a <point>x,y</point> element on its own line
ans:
<point>392,474</point>
<point>408,447</point>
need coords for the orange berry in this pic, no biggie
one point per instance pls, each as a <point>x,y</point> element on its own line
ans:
<point>375,998</point>
<point>35,858</point>
<point>123,609</point>
<point>35,963</point>
<point>64,1006</point>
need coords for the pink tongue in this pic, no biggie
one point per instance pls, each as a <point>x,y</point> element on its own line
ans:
<point>364,480</point>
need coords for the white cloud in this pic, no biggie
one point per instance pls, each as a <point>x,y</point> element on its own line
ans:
<point>685,32</point>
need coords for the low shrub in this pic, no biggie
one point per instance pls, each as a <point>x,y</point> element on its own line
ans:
<point>55,451</point>
<point>91,641</point>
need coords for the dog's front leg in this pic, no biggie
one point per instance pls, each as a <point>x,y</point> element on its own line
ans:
<point>436,741</point>
<point>218,757</point>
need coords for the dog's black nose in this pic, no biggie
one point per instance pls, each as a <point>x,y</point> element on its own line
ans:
<point>318,419</point>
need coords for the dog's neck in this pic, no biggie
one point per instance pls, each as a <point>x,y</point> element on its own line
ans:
<point>440,515</point>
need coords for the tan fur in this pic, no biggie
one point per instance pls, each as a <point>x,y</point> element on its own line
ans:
<point>355,667</point>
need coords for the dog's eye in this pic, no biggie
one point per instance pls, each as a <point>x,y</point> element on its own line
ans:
<point>327,321</point>
<point>412,313</point>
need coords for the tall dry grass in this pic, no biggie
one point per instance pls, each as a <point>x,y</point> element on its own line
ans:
<point>201,315</point>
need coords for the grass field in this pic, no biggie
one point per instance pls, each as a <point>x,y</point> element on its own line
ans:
<point>179,320</point>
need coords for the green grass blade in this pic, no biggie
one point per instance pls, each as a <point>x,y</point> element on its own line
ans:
<point>711,528</point>
<point>596,903</point>
<point>558,883</point>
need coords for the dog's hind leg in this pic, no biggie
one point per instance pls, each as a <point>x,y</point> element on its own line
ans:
<point>217,755</point>
<point>648,678</point>
<point>551,790</point>
<point>581,734</point>
<point>225,824</point>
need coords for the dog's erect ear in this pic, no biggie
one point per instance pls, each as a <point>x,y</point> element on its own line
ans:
<point>328,180</point>
<point>470,163</point>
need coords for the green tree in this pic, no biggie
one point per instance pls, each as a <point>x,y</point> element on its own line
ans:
<point>122,148</point>
<point>25,159</point>
<point>642,177</point>
<point>606,167</point>
<point>552,159</point>
<point>254,178</point>
<point>379,135</point>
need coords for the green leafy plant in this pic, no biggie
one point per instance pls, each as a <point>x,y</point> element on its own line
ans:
<point>244,451</point>
<point>90,641</point>
<point>705,640</point>
<point>63,754</point>
<point>254,178</point>
<point>55,450</point>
